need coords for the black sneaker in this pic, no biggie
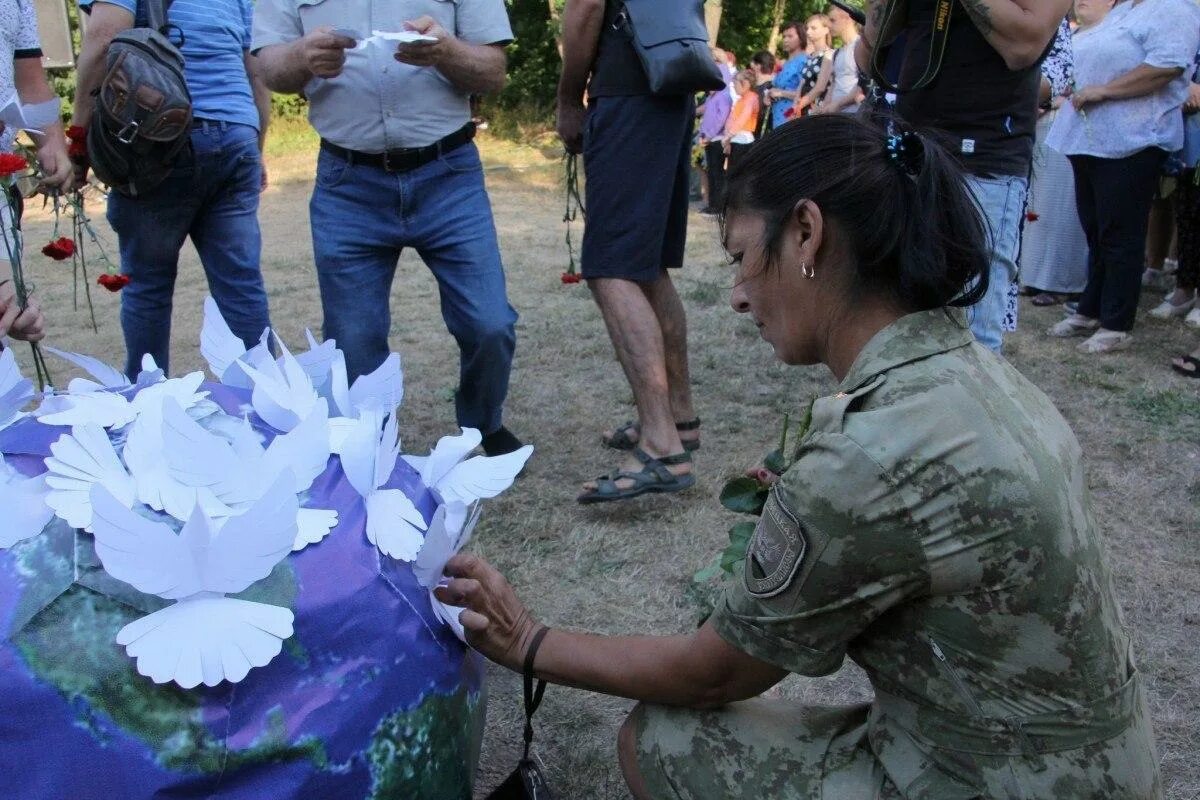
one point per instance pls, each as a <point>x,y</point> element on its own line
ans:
<point>500,442</point>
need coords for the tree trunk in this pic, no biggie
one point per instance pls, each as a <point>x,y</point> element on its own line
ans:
<point>776,24</point>
<point>712,18</point>
<point>556,24</point>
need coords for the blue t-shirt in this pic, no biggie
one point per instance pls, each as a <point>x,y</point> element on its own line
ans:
<point>788,80</point>
<point>216,36</point>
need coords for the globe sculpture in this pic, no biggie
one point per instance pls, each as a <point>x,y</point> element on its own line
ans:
<point>109,689</point>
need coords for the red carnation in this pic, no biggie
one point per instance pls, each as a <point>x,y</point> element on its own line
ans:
<point>60,249</point>
<point>571,277</point>
<point>11,164</point>
<point>1031,216</point>
<point>114,283</point>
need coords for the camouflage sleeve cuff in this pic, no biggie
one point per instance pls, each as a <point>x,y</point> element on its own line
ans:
<point>752,639</point>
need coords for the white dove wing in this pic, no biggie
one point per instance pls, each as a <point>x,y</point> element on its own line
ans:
<point>79,460</point>
<point>283,395</point>
<point>25,511</point>
<point>436,550</point>
<point>381,389</point>
<point>387,452</point>
<point>313,525</point>
<point>317,362</point>
<point>108,377</point>
<point>449,615</point>
<point>304,451</point>
<point>194,457</point>
<point>106,409</point>
<point>184,391</point>
<point>15,391</point>
<point>145,554</point>
<point>394,524</point>
<point>446,455</point>
<point>337,391</point>
<point>206,640</point>
<point>359,452</point>
<point>249,545</point>
<point>218,344</point>
<point>482,477</point>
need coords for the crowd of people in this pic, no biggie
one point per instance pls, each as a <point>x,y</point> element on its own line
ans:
<point>934,525</point>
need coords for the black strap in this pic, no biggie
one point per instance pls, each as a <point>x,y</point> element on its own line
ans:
<point>943,9</point>
<point>533,697</point>
<point>156,12</point>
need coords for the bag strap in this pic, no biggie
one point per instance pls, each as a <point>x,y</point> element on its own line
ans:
<point>156,11</point>
<point>943,9</point>
<point>533,697</point>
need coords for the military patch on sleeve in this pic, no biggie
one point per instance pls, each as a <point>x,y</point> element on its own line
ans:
<point>776,551</point>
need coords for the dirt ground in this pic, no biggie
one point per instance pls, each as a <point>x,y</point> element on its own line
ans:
<point>626,567</point>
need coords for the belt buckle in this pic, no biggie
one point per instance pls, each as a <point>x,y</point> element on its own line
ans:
<point>387,161</point>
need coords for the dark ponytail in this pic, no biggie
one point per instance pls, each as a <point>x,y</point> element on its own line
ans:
<point>909,220</point>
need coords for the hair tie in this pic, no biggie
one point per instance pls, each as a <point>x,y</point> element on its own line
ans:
<point>907,151</point>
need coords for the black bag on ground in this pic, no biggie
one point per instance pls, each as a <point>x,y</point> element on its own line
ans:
<point>143,114</point>
<point>671,40</point>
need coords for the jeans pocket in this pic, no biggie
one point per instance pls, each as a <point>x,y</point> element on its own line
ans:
<point>330,170</point>
<point>462,160</point>
<point>247,178</point>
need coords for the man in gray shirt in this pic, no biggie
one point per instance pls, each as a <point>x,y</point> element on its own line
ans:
<point>398,169</point>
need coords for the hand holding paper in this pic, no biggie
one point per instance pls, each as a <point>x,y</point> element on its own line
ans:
<point>422,52</point>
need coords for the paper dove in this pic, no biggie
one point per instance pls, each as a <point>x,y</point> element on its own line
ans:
<point>368,457</point>
<point>24,503</point>
<point>449,531</point>
<point>380,390</point>
<point>478,478</point>
<point>109,409</point>
<point>107,377</point>
<point>15,391</point>
<point>205,637</point>
<point>80,460</point>
<point>239,472</point>
<point>225,352</point>
<point>283,393</point>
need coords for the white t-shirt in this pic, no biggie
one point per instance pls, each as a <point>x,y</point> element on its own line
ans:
<point>18,38</point>
<point>844,80</point>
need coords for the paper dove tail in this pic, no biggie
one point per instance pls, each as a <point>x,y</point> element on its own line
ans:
<point>206,640</point>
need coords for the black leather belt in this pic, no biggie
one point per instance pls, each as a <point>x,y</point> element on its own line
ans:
<point>406,159</point>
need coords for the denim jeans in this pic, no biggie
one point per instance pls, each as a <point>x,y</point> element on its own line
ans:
<point>1002,201</point>
<point>213,198</point>
<point>363,217</point>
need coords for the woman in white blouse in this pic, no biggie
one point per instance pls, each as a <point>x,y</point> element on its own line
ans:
<point>1122,121</point>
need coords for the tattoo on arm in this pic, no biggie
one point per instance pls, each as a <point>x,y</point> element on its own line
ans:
<point>980,14</point>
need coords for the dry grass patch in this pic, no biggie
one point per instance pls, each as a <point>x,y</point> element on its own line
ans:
<point>627,567</point>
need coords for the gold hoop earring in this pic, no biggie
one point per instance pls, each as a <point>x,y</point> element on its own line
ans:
<point>807,270</point>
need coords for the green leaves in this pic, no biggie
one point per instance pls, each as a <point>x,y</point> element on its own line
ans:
<point>745,495</point>
<point>731,556</point>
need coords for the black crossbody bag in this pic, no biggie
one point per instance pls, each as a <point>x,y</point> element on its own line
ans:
<point>671,41</point>
<point>527,781</point>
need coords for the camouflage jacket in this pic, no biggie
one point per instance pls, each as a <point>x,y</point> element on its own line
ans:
<point>936,528</point>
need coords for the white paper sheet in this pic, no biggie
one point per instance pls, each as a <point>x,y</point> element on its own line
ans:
<point>32,117</point>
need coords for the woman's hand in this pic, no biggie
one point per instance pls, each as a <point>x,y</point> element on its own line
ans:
<point>496,621</point>
<point>1087,96</point>
<point>29,324</point>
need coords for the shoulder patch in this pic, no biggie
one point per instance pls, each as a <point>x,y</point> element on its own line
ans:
<point>776,551</point>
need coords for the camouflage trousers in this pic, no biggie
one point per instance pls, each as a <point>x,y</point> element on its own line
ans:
<point>760,750</point>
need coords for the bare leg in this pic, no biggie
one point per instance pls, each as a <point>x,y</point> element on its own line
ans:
<point>637,337</point>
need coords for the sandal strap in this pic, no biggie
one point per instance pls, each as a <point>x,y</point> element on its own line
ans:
<point>672,460</point>
<point>691,425</point>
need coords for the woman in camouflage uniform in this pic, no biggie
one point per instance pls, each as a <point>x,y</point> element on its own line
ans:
<point>935,528</point>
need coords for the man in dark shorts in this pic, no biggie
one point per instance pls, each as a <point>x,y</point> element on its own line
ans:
<point>636,148</point>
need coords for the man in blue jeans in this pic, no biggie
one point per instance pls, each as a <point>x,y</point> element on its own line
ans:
<point>398,169</point>
<point>984,96</point>
<point>211,193</point>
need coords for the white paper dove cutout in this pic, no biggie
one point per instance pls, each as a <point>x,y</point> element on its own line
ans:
<point>313,525</point>
<point>225,352</point>
<point>23,501</point>
<point>283,393</point>
<point>478,478</point>
<point>15,390</point>
<point>80,460</point>
<point>368,457</point>
<point>107,377</point>
<point>109,409</point>
<point>238,472</point>
<point>205,637</point>
<point>449,531</point>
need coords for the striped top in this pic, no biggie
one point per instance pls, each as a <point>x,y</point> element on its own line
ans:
<point>216,38</point>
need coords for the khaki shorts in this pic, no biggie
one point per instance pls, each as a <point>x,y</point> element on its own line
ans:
<point>760,750</point>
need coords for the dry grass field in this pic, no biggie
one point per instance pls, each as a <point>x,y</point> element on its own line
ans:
<point>626,567</point>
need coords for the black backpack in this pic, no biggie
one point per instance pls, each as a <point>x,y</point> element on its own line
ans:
<point>143,114</point>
